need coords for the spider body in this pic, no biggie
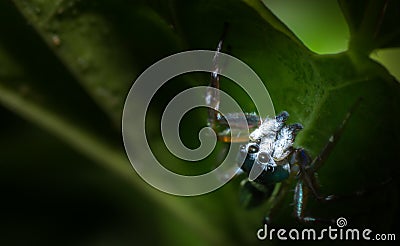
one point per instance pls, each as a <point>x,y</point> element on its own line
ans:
<point>270,156</point>
<point>270,152</point>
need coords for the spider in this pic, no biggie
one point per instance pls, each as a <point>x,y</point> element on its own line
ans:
<point>270,156</point>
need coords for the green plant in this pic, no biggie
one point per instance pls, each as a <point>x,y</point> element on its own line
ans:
<point>66,66</point>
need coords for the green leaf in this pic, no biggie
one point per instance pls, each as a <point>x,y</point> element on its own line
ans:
<point>68,65</point>
<point>114,50</point>
<point>35,85</point>
<point>373,24</point>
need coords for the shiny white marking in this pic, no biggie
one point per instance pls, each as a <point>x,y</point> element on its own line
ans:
<point>276,140</point>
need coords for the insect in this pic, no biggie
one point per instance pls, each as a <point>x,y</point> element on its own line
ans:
<point>270,156</point>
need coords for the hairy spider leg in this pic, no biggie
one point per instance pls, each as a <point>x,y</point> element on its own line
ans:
<point>277,200</point>
<point>215,119</point>
<point>307,182</point>
<point>305,185</point>
<point>308,168</point>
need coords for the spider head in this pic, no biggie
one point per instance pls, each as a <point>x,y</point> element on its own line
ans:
<point>252,152</point>
<point>269,149</point>
<point>254,158</point>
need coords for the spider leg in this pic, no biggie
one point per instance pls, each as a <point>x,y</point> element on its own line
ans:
<point>212,96</point>
<point>307,175</point>
<point>215,120</point>
<point>354,194</point>
<point>276,202</point>
<point>301,194</point>
<point>308,169</point>
<point>307,184</point>
<point>333,140</point>
<point>227,135</point>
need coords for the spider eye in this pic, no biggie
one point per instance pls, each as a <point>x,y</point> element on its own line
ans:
<point>270,168</point>
<point>253,149</point>
<point>263,157</point>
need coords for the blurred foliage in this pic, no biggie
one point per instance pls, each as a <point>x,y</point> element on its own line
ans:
<point>66,67</point>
